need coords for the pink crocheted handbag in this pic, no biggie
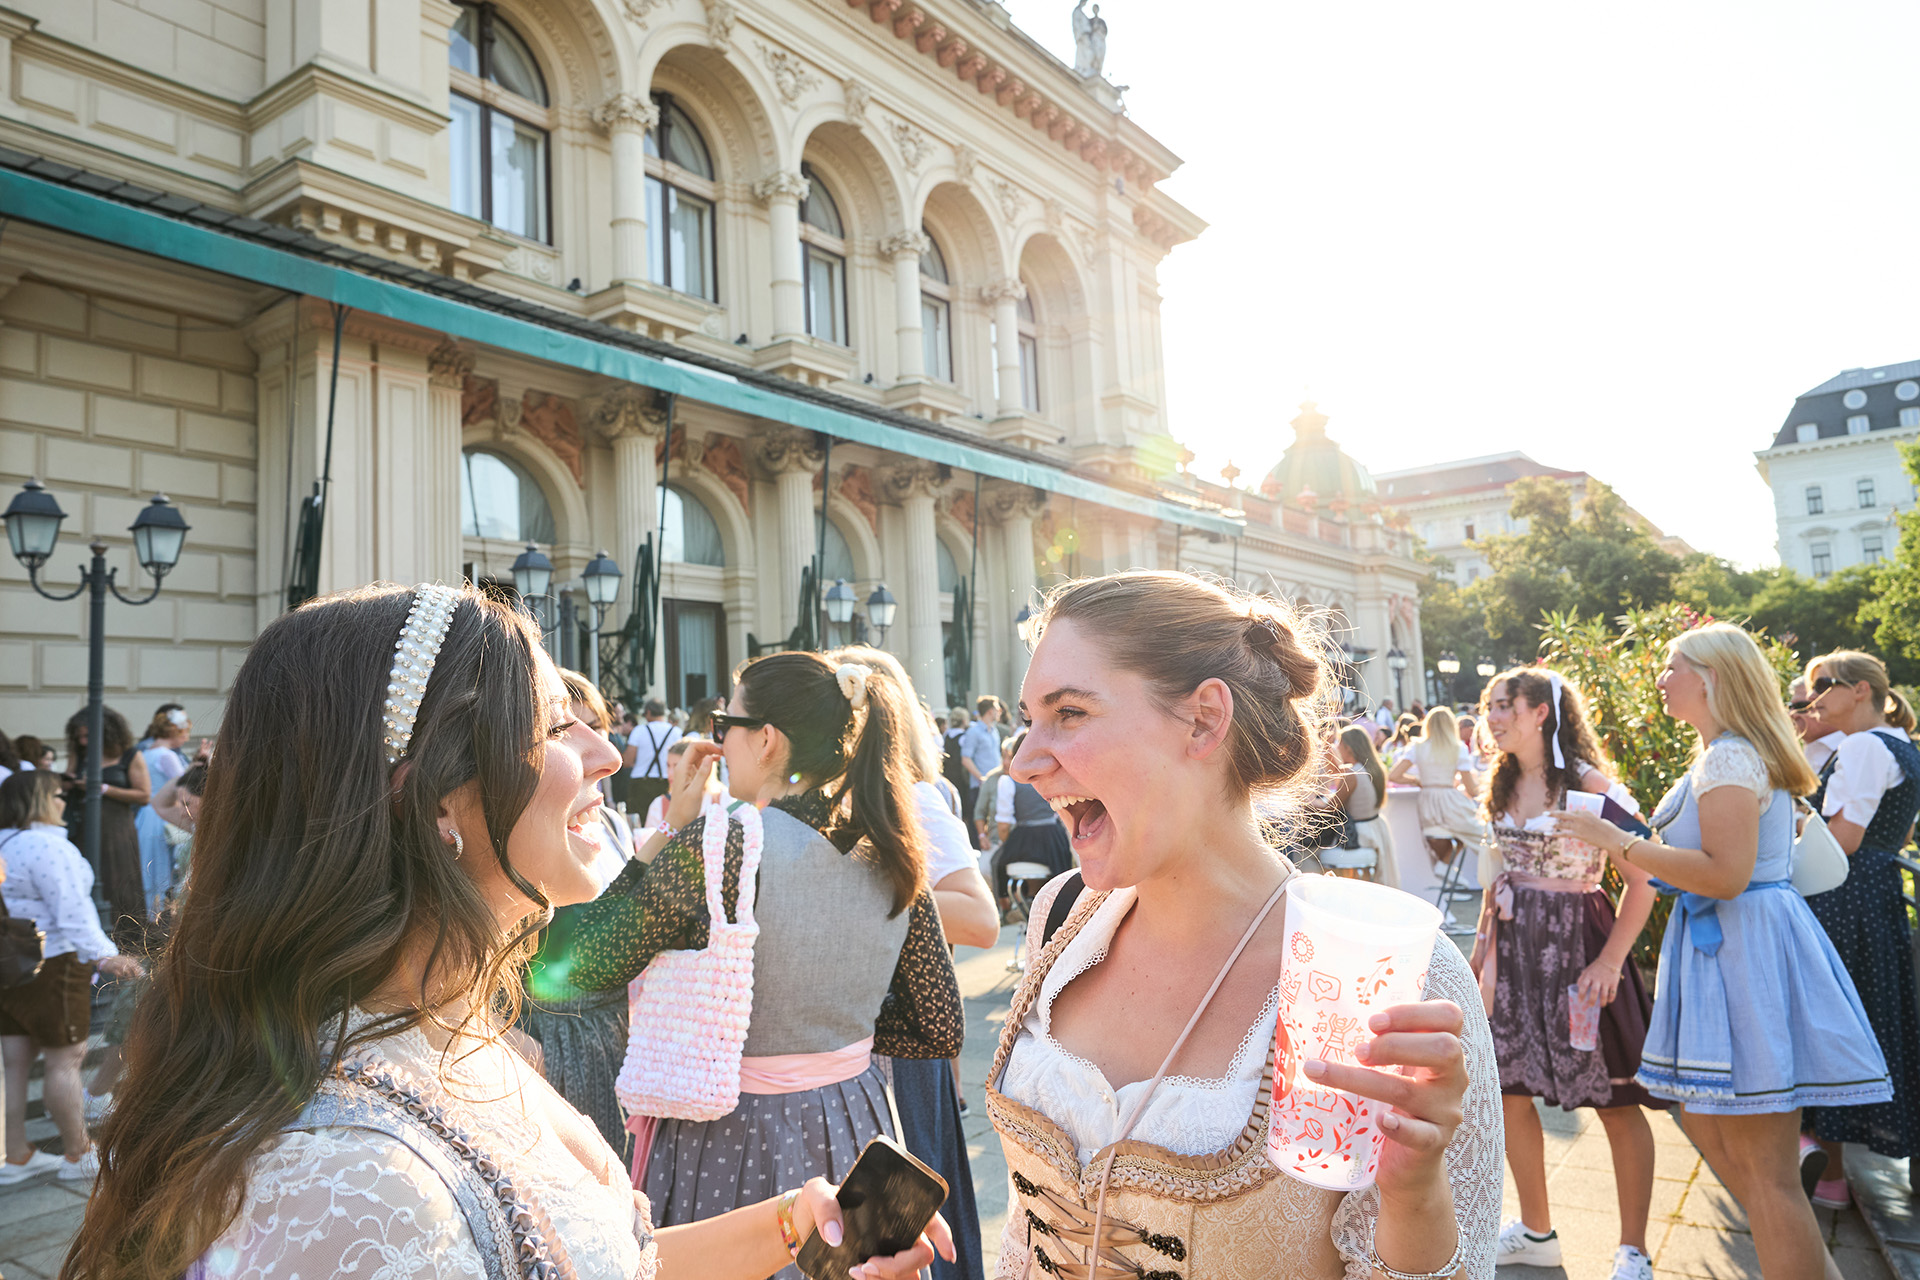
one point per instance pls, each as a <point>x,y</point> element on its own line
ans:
<point>688,1010</point>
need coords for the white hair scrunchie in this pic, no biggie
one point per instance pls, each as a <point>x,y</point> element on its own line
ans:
<point>852,678</point>
<point>1559,691</point>
<point>177,718</point>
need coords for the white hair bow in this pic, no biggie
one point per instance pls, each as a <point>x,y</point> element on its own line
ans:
<point>1559,689</point>
<point>852,678</point>
<point>177,718</point>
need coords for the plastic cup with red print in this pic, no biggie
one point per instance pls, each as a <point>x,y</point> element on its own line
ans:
<point>1583,1020</point>
<point>1353,949</point>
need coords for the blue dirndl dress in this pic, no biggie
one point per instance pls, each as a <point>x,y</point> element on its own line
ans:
<point>1867,920</point>
<point>1753,1012</point>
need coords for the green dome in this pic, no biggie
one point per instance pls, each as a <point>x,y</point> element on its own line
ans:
<point>1318,466</point>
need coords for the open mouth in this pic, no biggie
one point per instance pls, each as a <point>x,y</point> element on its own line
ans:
<point>580,823</point>
<point>1084,816</point>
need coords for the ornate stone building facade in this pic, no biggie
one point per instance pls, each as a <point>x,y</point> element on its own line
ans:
<point>872,280</point>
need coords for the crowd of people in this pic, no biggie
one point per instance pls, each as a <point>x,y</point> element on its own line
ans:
<point>431,874</point>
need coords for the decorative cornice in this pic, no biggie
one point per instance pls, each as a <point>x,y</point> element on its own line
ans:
<point>448,365</point>
<point>905,244</point>
<point>626,411</point>
<point>1002,500</point>
<point>781,182</point>
<point>897,482</point>
<point>784,449</point>
<point>626,111</point>
<point>1008,290</point>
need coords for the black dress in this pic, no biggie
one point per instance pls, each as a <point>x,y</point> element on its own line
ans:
<point>118,867</point>
<point>1867,920</point>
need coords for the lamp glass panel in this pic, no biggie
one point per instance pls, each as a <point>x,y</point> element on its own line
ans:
<point>158,546</point>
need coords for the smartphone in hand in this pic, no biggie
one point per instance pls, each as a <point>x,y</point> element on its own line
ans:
<point>887,1200</point>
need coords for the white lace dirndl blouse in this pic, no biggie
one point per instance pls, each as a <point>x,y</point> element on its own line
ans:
<point>1192,1116</point>
<point>351,1202</point>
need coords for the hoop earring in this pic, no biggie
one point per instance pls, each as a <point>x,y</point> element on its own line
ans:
<point>459,845</point>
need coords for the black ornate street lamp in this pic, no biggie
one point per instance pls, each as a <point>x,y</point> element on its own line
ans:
<point>33,528</point>
<point>839,602</point>
<point>880,607</point>
<point>602,577</point>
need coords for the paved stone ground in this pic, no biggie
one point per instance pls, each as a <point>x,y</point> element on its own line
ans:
<point>1696,1230</point>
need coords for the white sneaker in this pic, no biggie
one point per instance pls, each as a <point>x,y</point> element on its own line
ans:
<point>96,1106</point>
<point>1516,1247</point>
<point>81,1170</point>
<point>38,1163</point>
<point>1631,1264</point>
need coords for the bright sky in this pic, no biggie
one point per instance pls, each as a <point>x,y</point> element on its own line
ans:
<point>1621,237</point>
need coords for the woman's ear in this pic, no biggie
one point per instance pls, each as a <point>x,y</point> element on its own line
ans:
<point>1209,715</point>
<point>460,810</point>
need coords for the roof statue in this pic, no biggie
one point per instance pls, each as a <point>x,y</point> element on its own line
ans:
<point>1089,40</point>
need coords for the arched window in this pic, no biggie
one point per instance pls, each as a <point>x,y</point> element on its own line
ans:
<point>823,257</point>
<point>1029,355</point>
<point>680,196</point>
<point>837,562</point>
<point>949,571</point>
<point>936,311</point>
<point>692,536</point>
<point>499,132</point>
<point>499,498</point>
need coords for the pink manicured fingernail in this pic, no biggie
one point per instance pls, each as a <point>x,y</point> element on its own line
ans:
<point>1379,1022</point>
<point>1364,1051</point>
<point>1389,1121</point>
<point>858,1273</point>
<point>1314,1067</point>
<point>831,1232</point>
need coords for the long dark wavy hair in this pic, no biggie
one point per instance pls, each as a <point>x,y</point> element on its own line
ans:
<point>861,758</point>
<point>317,870</point>
<point>1578,743</point>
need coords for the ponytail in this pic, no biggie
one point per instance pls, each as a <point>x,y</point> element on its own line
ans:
<point>1899,712</point>
<point>879,786</point>
<point>1851,666</point>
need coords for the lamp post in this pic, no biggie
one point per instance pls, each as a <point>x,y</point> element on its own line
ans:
<point>838,602</point>
<point>1485,669</point>
<point>159,532</point>
<point>602,577</point>
<point>1448,665</point>
<point>1023,624</point>
<point>1397,663</point>
<point>880,607</point>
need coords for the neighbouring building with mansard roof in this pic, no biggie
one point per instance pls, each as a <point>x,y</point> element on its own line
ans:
<point>873,281</point>
<point>1835,471</point>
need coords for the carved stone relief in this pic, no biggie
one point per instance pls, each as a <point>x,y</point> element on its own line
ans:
<point>1011,199</point>
<point>856,486</point>
<point>857,98</point>
<point>549,419</point>
<point>790,75</point>
<point>721,16</point>
<point>910,143</point>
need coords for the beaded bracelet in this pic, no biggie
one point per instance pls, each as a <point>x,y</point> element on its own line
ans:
<point>1451,1269</point>
<point>789,1234</point>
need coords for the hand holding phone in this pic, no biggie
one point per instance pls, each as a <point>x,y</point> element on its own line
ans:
<point>887,1200</point>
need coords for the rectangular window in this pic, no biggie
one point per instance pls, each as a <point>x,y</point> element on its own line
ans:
<point>826,296</point>
<point>1910,417</point>
<point>1822,559</point>
<point>1806,433</point>
<point>1863,492</point>
<point>1872,549</point>
<point>1857,425</point>
<point>519,177</point>
<point>936,338</point>
<point>689,243</point>
<point>1029,373</point>
<point>464,139</point>
<point>1816,501</point>
<point>1470,534</point>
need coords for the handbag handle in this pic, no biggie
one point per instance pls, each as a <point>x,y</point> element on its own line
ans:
<point>713,857</point>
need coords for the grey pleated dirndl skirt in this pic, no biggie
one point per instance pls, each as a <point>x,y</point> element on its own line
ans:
<point>770,1143</point>
<point>585,1044</point>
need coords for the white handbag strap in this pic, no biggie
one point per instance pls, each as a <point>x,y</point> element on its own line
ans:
<point>713,856</point>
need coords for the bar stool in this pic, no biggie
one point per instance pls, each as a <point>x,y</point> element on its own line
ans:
<point>1454,851</point>
<point>1019,876</point>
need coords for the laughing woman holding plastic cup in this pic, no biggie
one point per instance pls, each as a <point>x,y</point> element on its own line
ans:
<point>1133,1084</point>
<point>1756,1017</point>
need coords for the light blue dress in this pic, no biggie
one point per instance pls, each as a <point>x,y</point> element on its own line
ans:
<point>1753,1011</point>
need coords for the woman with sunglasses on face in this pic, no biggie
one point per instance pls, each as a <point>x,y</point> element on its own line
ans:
<point>1869,793</point>
<point>1756,1018</point>
<point>849,961</point>
<point>1135,1073</point>
<point>317,1085</point>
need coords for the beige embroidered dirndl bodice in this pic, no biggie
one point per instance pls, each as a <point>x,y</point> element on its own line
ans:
<point>1228,1214</point>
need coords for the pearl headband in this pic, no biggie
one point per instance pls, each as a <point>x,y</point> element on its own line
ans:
<point>413,657</point>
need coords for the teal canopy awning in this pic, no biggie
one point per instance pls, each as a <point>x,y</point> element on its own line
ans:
<point>176,237</point>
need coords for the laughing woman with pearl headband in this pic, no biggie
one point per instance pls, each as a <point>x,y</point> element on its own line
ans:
<point>317,1084</point>
<point>849,961</point>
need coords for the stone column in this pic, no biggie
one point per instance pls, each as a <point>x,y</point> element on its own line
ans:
<point>1015,507</point>
<point>912,486</point>
<point>447,370</point>
<point>782,191</point>
<point>626,117</point>
<point>1005,296</point>
<point>631,420</point>
<point>792,457</point>
<point>903,249</point>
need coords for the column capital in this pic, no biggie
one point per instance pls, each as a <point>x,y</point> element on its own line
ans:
<point>900,482</point>
<point>449,364</point>
<point>626,111</point>
<point>787,449</point>
<point>905,244</point>
<point>1003,500</point>
<point>627,411</point>
<point>1008,290</point>
<point>781,183</point>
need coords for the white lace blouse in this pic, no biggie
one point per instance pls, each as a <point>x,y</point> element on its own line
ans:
<point>1192,1116</point>
<point>350,1202</point>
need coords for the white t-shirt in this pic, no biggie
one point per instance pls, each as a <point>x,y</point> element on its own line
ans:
<point>1863,772</point>
<point>646,737</point>
<point>948,850</point>
<point>1823,749</point>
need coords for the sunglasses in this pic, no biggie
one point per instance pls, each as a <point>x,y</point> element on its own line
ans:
<point>1798,705</point>
<point>723,722</point>
<point>1823,684</point>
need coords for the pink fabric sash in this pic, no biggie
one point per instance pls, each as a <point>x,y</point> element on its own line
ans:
<point>798,1072</point>
<point>1498,906</point>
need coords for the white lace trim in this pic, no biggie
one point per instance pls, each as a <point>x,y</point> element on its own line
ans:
<point>1730,761</point>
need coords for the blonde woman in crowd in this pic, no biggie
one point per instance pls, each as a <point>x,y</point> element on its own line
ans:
<point>1444,770</point>
<point>1869,793</point>
<point>1757,1017</point>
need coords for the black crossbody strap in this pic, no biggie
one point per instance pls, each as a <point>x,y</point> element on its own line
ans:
<point>1062,906</point>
